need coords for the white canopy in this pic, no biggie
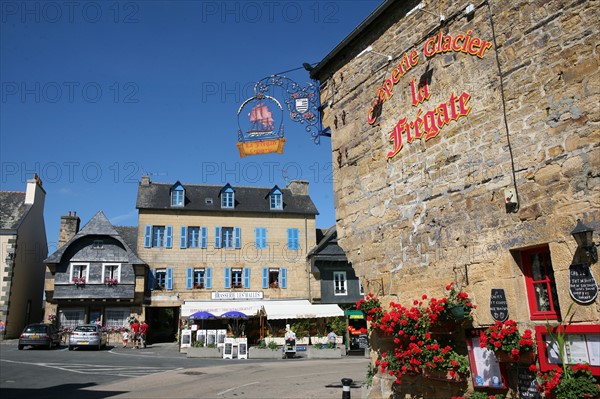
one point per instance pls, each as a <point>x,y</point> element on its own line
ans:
<point>275,310</point>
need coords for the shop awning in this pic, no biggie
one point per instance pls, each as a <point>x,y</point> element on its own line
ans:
<point>300,309</point>
<point>250,308</point>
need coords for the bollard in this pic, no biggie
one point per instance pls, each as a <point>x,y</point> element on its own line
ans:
<point>346,382</point>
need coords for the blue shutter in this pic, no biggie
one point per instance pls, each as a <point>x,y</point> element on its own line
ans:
<point>257,234</point>
<point>296,241</point>
<point>169,237</point>
<point>237,237</point>
<point>189,278</point>
<point>151,279</point>
<point>265,277</point>
<point>283,277</point>
<point>169,282</point>
<point>217,237</point>
<point>246,277</point>
<point>148,236</point>
<point>204,241</point>
<point>208,277</point>
<point>183,239</point>
<point>264,238</point>
<point>290,238</point>
<point>227,277</point>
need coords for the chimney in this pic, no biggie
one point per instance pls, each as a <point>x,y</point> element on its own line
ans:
<point>69,226</point>
<point>298,187</point>
<point>145,181</point>
<point>35,194</point>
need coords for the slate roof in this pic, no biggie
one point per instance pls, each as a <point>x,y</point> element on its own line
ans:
<point>247,199</point>
<point>100,226</point>
<point>129,235</point>
<point>12,209</point>
<point>327,247</point>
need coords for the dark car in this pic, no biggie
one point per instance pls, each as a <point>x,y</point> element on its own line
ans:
<point>90,335</point>
<point>39,334</point>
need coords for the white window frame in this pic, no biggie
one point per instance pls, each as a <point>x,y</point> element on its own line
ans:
<point>79,264</point>
<point>199,271</point>
<point>277,201</point>
<point>104,269</point>
<point>339,278</point>
<point>240,271</point>
<point>228,199</point>
<point>156,278</point>
<point>177,197</point>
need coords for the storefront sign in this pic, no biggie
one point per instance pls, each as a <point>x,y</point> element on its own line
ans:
<point>582,285</point>
<point>260,147</point>
<point>498,304</point>
<point>229,295</point>
<point>428,123</point>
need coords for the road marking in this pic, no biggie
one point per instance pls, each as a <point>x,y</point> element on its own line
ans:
<point>240,386</point>
<point>81,368</point>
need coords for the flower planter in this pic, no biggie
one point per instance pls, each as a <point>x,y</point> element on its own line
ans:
<point>204,352</point>
<point>448,375</point>
<point>458,312</point>
<point>524,358</point>
<point>445,327</point>
<point>335,353</point>
<point>264,353</point>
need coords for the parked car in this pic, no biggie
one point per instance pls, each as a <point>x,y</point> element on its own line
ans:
<point>39,334</point>
<point>90,335</point>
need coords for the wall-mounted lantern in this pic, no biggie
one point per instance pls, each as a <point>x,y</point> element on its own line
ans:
<point>583,235</point>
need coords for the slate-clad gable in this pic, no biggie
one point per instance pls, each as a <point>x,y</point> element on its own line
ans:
<point>247,199</point>
<point>12,209</point>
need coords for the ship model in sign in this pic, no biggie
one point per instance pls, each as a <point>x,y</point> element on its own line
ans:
<point>263,135</point>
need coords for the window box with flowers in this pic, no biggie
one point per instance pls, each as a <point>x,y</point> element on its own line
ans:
<point>505,340</point>
<point>274,284</point>
<point>79,281</point>
<point>236,285</point>
<point>198,286</point>
<point>111,281</point>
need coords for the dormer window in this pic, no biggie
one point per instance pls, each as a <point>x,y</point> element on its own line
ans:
<point>276,198</point>
<point>227,197</point>
<point>177,195</point>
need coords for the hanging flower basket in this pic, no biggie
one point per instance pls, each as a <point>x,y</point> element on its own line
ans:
<point>458,312</point>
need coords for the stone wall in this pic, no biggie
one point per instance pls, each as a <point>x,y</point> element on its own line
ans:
<point>519,112</point>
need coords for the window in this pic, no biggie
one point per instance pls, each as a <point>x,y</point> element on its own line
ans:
<point>276,200</point>
<point>158,236</point>
<point>177,195</point>
<point>228,237</point>
<point>111,273</point>
<point>260,237</point>
<point>79,273</point>
<point>199,278</point>
<point>540,285</point>
<point>71,318</point>
<point>237,277</point>
<point>193,237</point>
<point>340,283</point>
<point>293,242</point>
<point>361,288</point>
<point>117,317</point>
<point>98,244</point>
<point>160,279</point>
<point>227,198</point>
<point>274,277</point>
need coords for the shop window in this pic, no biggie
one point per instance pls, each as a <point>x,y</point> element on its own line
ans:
<point>540,284</point>
<point>117,318</point>
<point>71,318</point>
<point>340,284</point>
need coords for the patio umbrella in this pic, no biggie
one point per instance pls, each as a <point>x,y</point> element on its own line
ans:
<point>236,316</point>
<point>202,315</point>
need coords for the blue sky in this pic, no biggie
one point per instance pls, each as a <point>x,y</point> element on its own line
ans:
<point>96,94</point>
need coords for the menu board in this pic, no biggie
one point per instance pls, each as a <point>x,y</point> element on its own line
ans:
<point>485,368</point>
<point>527,384</point>
<point>498,304</point>
<point>578,348</point>
<point>582,285</point>
<point>363,341</point>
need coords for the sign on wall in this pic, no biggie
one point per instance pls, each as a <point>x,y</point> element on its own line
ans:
<point>498,304</point>
<point>582,285</point>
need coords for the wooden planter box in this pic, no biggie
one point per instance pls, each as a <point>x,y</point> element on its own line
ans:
<point>204,352</point>
<point>264,353</point>
<point>335,353</point>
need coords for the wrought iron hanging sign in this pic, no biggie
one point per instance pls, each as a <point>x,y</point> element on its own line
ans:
<point>263,135</point>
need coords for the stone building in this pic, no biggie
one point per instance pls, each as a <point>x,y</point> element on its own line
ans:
<point>95,275</point>
<point>465,148</point>
<point>23,247</point>
<point>222,248</point>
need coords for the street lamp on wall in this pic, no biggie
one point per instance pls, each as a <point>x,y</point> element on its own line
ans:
<point>584,236</point>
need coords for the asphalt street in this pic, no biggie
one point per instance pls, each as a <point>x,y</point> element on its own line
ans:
<point>161,371</point>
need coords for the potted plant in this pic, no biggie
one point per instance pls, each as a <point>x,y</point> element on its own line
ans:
<point>443,363</point>
<point>507,342</point>
<point>371,308</point>
<point>479,395</point>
